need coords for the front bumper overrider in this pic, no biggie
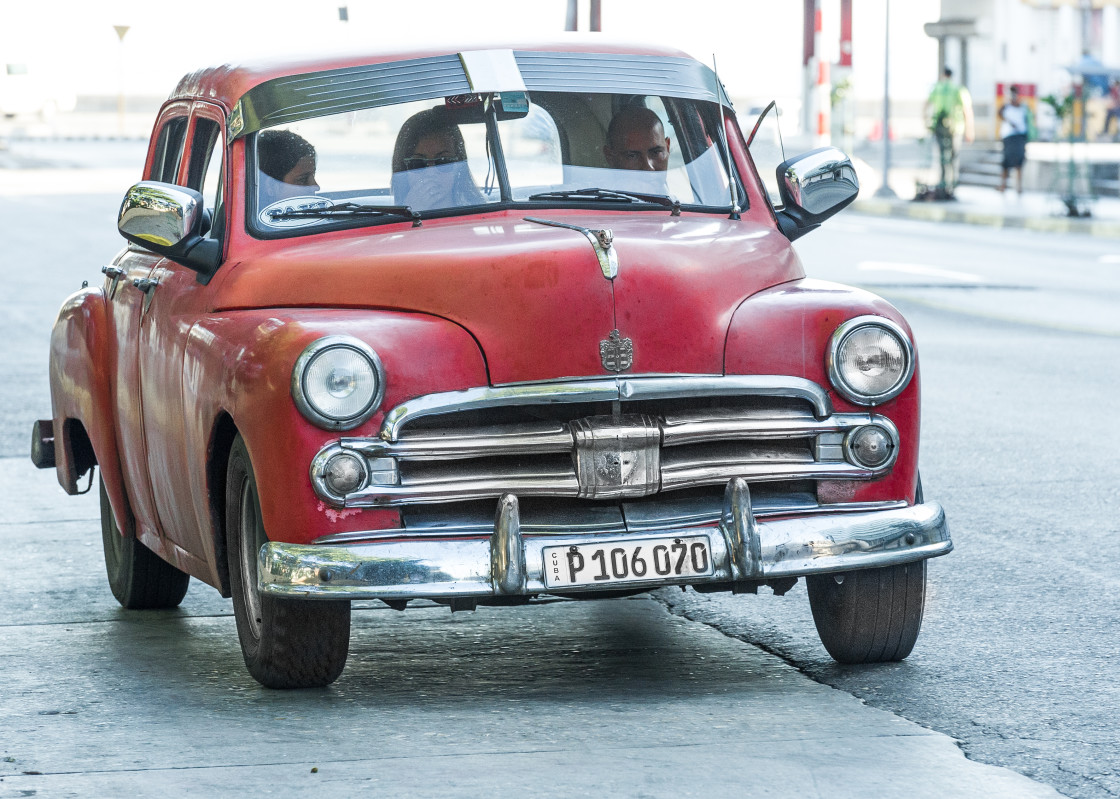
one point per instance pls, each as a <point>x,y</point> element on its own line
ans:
<point>744,550</point>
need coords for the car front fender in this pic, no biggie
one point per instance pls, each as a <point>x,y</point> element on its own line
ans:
<point>786,330</point>
<point>238,365</point>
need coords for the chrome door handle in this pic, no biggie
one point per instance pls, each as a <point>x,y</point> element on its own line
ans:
<point>145,284</point>
<point>113,272</point>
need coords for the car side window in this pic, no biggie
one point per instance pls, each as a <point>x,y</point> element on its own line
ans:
<point>204,172</point>
<point>169,150</point>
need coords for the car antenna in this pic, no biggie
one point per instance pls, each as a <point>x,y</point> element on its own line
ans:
<point>735,209</point>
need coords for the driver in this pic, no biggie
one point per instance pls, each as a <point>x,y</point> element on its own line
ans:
<point>636,140</point>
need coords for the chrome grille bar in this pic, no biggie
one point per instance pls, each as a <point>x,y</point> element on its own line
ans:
<point>698,474</point>
<point>606,390</point>
<point>476,442</point>
<point>705,427</point>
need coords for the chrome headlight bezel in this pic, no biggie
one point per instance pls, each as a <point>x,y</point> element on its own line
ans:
<point>300,388</point>
<point>851,453</point>
<point>841,336</point>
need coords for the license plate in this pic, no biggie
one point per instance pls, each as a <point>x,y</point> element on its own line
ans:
<point>627,561</point>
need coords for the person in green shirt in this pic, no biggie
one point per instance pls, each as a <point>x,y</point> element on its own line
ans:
<point>949,116</point>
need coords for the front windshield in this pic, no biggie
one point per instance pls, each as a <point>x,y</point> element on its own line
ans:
<point>468,153</point>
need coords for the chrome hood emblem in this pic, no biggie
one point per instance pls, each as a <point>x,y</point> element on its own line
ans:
<point>616,352</point>
<point>601,241</point>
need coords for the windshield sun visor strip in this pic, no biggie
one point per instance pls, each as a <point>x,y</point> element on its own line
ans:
<point>614,73</point>
<point>322,93</point>
<point>291,98</point>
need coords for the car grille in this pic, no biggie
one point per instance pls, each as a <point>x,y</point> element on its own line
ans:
<point>647,453</point>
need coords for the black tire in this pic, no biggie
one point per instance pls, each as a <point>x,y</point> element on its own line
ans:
<point>287,643</point>
<point>139,578</point>
<point>869,616</point>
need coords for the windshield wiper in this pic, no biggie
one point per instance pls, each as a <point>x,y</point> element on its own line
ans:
<point>348,209</point>
<point>611,195</point>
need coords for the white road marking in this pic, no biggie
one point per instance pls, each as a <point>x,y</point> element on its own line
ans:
<point>917,269</point>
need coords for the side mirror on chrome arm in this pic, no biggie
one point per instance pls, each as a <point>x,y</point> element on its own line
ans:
<point>814,186</point>
<point>171,221</point>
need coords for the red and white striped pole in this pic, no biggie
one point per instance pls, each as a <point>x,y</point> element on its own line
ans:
<point>823,88</point>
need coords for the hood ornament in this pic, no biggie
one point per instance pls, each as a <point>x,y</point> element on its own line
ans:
<point>601,241</point>
<point>616,352</point>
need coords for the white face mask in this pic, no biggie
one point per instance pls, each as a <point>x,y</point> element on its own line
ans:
<point>270,190</point>
<point>440,186</point>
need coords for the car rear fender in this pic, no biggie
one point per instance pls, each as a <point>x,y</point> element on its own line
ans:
<point>82,400</point>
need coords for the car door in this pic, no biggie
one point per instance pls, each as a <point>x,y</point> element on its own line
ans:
<point>128,303</point>
<point>176,298</point>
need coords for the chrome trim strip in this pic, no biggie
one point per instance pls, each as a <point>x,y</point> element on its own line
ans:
<point>789,547</point>
<point>604,390</point>
<point>576,527</point>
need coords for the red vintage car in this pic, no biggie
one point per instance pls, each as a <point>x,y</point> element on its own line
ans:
<point>480,327</point>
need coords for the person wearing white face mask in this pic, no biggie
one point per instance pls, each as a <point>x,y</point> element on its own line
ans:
<point>430,164</point>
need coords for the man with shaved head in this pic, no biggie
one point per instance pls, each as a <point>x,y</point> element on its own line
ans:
<point>636,140</point>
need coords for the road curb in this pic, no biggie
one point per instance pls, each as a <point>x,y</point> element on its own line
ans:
<point>930,212</point>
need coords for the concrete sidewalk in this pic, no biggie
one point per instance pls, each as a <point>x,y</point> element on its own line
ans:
<point>612,698</point>
<point>981,205</point>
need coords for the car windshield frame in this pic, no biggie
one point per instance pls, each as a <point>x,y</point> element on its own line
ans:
<point>677,87</point>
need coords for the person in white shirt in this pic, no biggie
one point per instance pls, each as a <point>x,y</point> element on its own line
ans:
<point>1014,127</point>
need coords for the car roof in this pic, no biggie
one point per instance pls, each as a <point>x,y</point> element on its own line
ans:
<point>226,83</point>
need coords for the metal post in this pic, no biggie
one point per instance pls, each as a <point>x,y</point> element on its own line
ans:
<point>121,31</point>
<point>885,191</point>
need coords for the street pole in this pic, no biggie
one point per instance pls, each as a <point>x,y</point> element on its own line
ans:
<point>121,31</point>
<point>571,19</point>
<point>885,191</point>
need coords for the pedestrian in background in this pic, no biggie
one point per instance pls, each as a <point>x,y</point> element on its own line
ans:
<point>949,115</point>
<point>1113,108</point>
<point>1014,130</point>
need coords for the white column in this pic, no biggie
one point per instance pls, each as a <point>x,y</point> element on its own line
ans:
<point>1110,35</point>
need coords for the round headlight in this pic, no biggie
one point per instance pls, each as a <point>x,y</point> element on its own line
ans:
<point>344,472</point>
<point>870,446</point>
<point>338,382</point>
<point>870,360</point>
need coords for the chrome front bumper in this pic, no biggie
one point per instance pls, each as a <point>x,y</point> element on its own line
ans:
<point>744,550</point>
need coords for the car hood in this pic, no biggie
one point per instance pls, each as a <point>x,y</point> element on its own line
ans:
<point>533,295</point>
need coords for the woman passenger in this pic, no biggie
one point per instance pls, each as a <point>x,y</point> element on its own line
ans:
<point>430,164</point>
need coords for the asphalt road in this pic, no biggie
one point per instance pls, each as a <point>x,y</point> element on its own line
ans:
<point>678,694</point>
<point>1019,338</point>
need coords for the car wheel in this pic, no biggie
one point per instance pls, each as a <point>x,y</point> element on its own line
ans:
<point>869,616</point>
<point>138,577</point>
<point>287,643</point>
